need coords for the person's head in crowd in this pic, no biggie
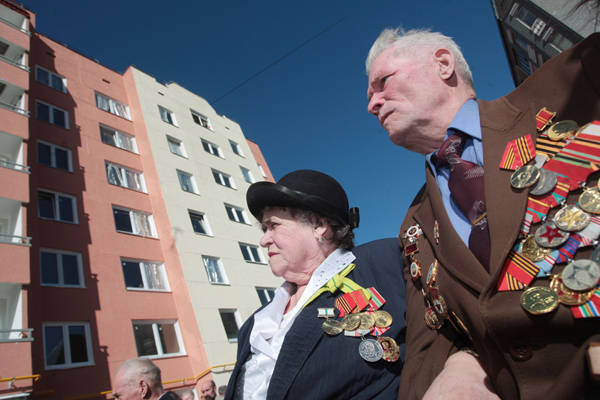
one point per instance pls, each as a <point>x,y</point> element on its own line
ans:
<point>418,80</point>
<point>208,390</point>
<point>137,379</point>
<point>222,389</point>
<point>187,395</point>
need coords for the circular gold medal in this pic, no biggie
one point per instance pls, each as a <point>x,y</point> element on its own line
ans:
<point>538,300</point>
<point>431,319</point>
<point>533,251</point>
<point>567,296</point>
<point>332,327</point>
<point>351,322</point>
<point>562,130</point>
<point>589,201</point>
<point>571,218</point>
<point>367,321</point>
<point>383,319</point>
<point>391,350</point>
<point>525,176</point>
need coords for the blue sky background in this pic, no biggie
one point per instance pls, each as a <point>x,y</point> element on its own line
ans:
<point>309,110</point>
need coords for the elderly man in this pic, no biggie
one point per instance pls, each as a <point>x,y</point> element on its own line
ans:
<point>208,390</point>
<point>488,271</point>
<point>139,379</point>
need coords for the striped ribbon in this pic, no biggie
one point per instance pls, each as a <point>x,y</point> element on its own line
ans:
<point>517,273</point>
<point>376,301</point>
<point>567,251</point>
<point>590,309</point>
<point>338,282</point>
<point>548,147</point>
<point>543,118</point>
<point>517,153</point>
<point>591,232</point>
<point>547,263</point>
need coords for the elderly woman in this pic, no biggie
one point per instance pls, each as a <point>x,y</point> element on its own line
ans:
<point>335,328</point>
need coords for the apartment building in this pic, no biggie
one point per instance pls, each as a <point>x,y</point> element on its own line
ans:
<point>123,229</point>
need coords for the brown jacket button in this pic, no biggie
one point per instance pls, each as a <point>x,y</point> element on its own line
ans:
<point>520,352</point>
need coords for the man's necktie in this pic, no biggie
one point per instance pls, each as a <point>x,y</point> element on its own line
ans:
<point>467,190</point>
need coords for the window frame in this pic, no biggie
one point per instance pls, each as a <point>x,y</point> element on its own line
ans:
<point>250,253</point>
<point>156,337</point>
<point>67,345</point>
<point>60,268</point>
<point>53,148</point>
<point>192,181</point>
<point>249,177</point>
<point>201,118</point>
<point>131,211</point>
<point>236,212</point>
<point>113,106</point>
<point>221,181</point>
<point>180,147</point>
<point>124,177</point>
<point>145,286</point>
<point>168,115</point>
<point>119,138</point>
<point>219,266</point>
<point>51,75</point>
<point>238,320</point>
<point>57,216</point>
<point>265,290</point>
<point>236,148</point>
<point>212,148</point>
<point>262,171</point>
<point>203,222</point>
<point>51,110</point>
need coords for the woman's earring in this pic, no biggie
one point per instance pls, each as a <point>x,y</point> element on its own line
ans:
<point>320,239</point>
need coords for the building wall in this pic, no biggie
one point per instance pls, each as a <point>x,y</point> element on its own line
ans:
<point>223,238</point>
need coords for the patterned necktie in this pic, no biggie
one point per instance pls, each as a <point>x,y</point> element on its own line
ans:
<point>467,190</point>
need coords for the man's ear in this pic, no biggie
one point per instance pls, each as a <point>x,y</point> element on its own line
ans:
<point>144,389</point>
<point>445,63</point>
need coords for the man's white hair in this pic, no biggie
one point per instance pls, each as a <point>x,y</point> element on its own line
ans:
<point>140,368</point>
<point>414,40</point>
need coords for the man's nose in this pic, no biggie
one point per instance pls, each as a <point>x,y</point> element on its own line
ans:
<point>375,104</point>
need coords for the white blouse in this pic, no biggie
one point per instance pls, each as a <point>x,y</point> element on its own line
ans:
<point>271,325</point>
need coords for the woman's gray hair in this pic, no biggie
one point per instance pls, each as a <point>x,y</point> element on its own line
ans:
<point>412,41</point>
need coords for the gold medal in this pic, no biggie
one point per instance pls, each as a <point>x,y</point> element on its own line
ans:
<point>332,327</point>
<point>431,319</point>
<point>367,321</point>
<point>391,350</point>
<point>589,201</point>
<point>524,177</point>
<point>351,322</point>
<point>415,270</point>
<point>382,318</point>
<point>533,251</point>
<point>562,130</point>
<point>538,300</point>
<point>567,296</point>
<point>432,274</point>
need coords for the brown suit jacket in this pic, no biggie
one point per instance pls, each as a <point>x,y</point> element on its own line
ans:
<point>525,356</point>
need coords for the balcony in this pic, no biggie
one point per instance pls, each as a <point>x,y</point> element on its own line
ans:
<point>14,15</point>
<point>15,56</point>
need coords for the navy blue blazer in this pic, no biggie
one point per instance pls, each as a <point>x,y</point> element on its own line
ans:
<point>313,365</point>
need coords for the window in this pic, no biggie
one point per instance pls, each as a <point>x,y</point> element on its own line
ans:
<point>51,114</point>
<point>50,79</point>
<point>236,148</point>
<point>230,319</point>
<point>54,156</point>
<point>125,177</point>
<point>211,148</point>
<point>67,345</point>
<point>236,214</point>
<point>144,275</point>
<point>223,179</point>
<point>265,294</point>
<point>251,253</point>
<point>214,270</point>
<point>262,171</point>
<point>248,177</point>
<point>157,338</point>
<point>118,139</point>
<point>112,106</point>
<point>134,221</point>
<point>61,268</point>
<point>560,42</point>
<point>187,183</point>
<point>199,222</point>
<point>176,146</point>
<point>201,120</point>
<point>167,116</point>
<point>522,61</point>
<point>57,206</point>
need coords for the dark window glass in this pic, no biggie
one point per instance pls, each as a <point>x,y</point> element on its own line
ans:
<point>230,213</point>
<point>230,324</point>
<point>197,225</point>
<point>262,296</point>
<point>70,269</point>
<point>42,112</point>
<point>168,338</point>
<point>46,205</point>
<point>62,158</point>
<point>144,340</point>
<point>44,154</point>
<point>59,118</point>
<point>57,83</point>
<point>78,344</point>
<point>245,253</point>
<point>122,220</point>
<point>132,274</point>
<point>196,119</point>
<point>108,136</point>
<point>43,76</point>
<point>55,349</point>
<point>49,266</point>
<point>65,205</point>
<point>255,255</point>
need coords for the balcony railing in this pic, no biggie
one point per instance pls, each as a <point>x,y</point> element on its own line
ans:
<point>7,22</point>
<point>15,63</point>
<point>15,166</point>
<point>15,239</point>
<point>16,335</point>
<point>14,108</point>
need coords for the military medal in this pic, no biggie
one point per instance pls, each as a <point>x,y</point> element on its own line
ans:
<point>370,350</point>
<point>432,274</point>
<point>581,275</point>
<point>566,296</point>
<point>356,333</point>
<point>539,300</point>
<point>439,305</point>
<point>562,130</point>
<point>548,235</point>
<point>543,118</point>
<point>391,350</point>
<point>524,177</point>
<point>533,251</point>
<point>415,270</point>
<point>589,201</point>
<point>431,319</point>
<point>596,254</point>
<point>545,183</point>
<point>413,232</point>
<point>351,322</point>
<point>571,218</point>
<point>367,321</point>
<point>382,318</point>
<point>332,327</point>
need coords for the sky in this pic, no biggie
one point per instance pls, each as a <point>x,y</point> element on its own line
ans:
<point>307,111</point>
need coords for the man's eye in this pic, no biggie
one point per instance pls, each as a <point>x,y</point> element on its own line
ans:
<point>384,79</point>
